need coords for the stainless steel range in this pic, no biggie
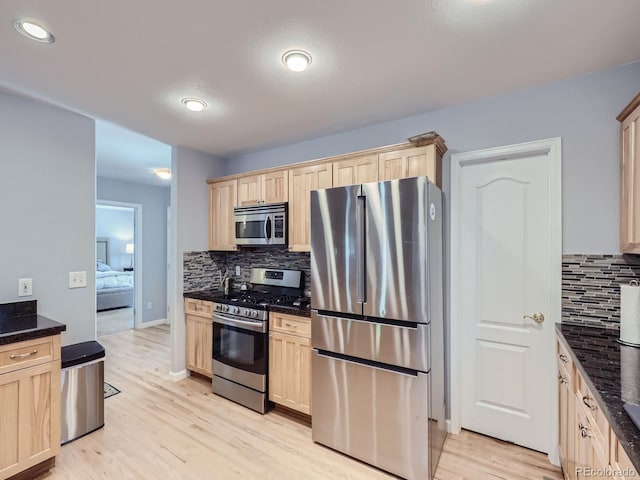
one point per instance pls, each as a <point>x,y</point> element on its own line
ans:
<point>241,335</point>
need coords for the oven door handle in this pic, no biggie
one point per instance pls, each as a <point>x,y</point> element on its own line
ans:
<point>234,322</point>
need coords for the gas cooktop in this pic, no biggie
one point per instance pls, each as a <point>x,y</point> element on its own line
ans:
<point>258,300</point>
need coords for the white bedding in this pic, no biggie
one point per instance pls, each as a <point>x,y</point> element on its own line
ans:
<point>113,279</point>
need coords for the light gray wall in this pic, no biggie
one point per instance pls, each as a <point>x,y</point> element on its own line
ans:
<point>47,210</point>
<point>581,110</point>
<point>117,226</point>
<point>189,227</point>
<point>154,201</point>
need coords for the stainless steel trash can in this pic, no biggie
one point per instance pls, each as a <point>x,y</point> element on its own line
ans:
<point>82,389</point>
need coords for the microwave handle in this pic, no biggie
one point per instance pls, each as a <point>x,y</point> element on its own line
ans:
<point>267,228</point>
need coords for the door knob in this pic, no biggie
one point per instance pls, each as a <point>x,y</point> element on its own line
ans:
<point>536,317</point>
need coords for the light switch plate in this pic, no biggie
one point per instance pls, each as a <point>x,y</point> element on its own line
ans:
<point>237,270</point>
<point>77,279</point>
<point>25,287</point>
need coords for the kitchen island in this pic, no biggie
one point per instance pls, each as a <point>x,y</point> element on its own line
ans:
<point>29,390</point>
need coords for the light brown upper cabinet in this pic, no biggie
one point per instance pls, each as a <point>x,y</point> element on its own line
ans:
<point>222,199</point>
<point>630,178</point>
<point>421,155</point>
<point>302,181</point>
<point>268,187</point>
<point>411,162</point>
<point>356,170</point>
<point>276,186</point>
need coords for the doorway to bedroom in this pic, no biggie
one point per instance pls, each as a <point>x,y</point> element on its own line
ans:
<point>117,266</point>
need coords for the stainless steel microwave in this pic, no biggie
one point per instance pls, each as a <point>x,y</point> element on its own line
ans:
<point>264,224</point>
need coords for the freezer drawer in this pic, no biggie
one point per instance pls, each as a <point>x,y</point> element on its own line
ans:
<point>402,346</point>
<point>376,415</point>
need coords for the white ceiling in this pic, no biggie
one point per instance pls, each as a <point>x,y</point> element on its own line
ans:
<point>127,155</point>
<point>130,62</point>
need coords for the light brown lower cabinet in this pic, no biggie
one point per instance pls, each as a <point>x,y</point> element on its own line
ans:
<point>199,336</point>
<point>290,361</point>
<point>30,404</point>
<point>588,446</point>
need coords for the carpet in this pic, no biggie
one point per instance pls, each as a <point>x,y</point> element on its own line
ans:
<point>110,390</point>
<point>114,321</point>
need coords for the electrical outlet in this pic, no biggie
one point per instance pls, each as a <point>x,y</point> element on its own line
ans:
<point>25,287</point>
<point>149,306</point>
<point>237,270</point>
<point>77,279</point>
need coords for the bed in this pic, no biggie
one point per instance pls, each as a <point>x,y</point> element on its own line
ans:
<point>113,289</point>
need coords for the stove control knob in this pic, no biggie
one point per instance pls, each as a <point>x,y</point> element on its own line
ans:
<point>226,308</point>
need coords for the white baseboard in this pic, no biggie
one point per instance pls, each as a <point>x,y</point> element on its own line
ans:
<point>450,428</point>
<point>154,323</point>
<point>177,376</point>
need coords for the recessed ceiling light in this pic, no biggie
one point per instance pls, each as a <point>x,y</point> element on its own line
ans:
<point>296,60</point>
<point>194,104</point>
<point>34,32</point>
<point>164,173</point>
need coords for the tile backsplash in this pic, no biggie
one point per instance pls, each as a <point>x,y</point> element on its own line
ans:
<point>205,270</point>
<point>591,287</point>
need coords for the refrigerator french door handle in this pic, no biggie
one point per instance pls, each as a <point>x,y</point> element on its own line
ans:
<point>416,374</point>
<point>361,253</point>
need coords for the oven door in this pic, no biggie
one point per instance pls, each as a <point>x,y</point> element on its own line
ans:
<point>240,350</point>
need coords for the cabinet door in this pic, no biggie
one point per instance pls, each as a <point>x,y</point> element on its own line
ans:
<point>290,371</point>
<point>276,187</point>
<point>589,451</point>
<point>630,184</point>
<point>620,462</point>
<point>566,424</point>
<point>250,190</point>
<point>355,170</point>
<point>302,181</point>
<point>199,344</point>
<point>411,162</point>
<point>30,417</point>
<point>222,199</point>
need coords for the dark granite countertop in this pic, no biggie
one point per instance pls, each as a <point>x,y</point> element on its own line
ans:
<point>597,355</point>
<point>214,296</point>
<point>28,327</point>
<point>301,312</point>
<point>20,321</point>
<point>207,295</point>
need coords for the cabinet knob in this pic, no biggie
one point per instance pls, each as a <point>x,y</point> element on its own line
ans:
<point>588,402</point>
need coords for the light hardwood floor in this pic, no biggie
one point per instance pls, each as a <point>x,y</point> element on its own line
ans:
<point>160,429</point>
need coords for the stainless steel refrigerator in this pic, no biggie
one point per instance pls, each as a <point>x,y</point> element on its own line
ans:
<point>377,324</point>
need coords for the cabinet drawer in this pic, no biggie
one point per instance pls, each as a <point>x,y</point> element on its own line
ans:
<point>291,324</point>
<point>201,308</point>
<point>594,413</point>
<point>565,359</point>
<point>16,356</point>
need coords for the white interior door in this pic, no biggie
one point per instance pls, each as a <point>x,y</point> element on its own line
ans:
<point>506,276</point>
